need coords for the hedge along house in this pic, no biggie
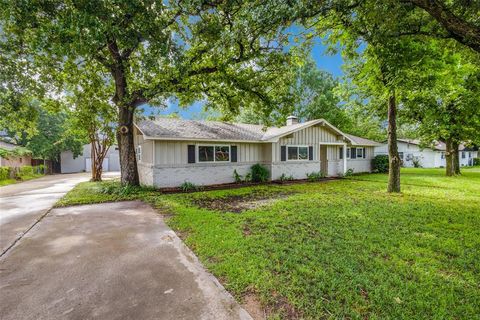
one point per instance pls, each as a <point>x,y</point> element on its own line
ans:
<point>172,151</point>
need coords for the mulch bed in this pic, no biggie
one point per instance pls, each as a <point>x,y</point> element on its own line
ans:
<point>240,203</point>
<point>233,185</point>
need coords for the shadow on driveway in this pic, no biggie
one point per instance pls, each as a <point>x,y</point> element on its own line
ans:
<point>108,261</point>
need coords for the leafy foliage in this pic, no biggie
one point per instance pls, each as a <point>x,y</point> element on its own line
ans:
<point>315,176</point>
<point>380,163</point>
<point>259,173</point>
<point>188,186</point>
<point>284,177</point>
<point>53,136</point>
<point>15,152</point>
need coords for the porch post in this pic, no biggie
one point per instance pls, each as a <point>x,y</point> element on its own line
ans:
<point>345,158</point>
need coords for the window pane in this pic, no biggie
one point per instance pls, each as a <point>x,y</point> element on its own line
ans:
<point>222,153</point>
<point>303,153</point>
<point>359,153</point>
<point>205,153</point>
<point>292,153</point>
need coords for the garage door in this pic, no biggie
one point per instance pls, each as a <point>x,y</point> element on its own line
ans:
<point>88,164</point>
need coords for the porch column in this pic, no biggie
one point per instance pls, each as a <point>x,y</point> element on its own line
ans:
<point>344,158</point>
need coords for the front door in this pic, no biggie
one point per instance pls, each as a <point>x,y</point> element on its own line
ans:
<point>323,160</point>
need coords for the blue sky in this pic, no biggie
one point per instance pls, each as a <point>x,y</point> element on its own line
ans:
<point>330,63</point>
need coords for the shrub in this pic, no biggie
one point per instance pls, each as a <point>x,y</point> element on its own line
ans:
<point>315,176</point>
<point>25,171</point>
<point>259,173</point>
<point>476,161</point>
<point>238,178</point>
<point>248,177</point>
<point>40,169</point>
<point>284,177</point>
<point>416,162</point>
<point>188,186</point>
<point>380,163</point>
<point>349,173</point>
<point>4,173</point>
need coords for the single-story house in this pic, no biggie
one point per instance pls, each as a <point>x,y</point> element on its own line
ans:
<point>172,151</point>
<point>83,162</point>
<point>410,151</point>
<point>13,161</point>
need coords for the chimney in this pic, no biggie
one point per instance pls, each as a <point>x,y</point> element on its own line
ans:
<point>292,120</point>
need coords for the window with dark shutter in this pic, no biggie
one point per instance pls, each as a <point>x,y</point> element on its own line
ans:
<point>340,155</point>
<point>310,153</point>
<point>191,153</point>
<point>283,153</point>
<point>364,153</point>
<point>233,153</point>
<point>353,153</point>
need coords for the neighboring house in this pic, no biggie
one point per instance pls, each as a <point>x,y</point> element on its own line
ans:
<point>13,161</point>
<point>83,163</point>
<point>172,151</point>
<point>434,157</point>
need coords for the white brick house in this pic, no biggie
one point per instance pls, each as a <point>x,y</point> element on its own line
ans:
<point>172,151</point>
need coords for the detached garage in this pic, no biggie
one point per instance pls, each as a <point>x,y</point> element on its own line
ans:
<point>83,163</point>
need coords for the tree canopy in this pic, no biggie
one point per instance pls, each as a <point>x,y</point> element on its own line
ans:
<point>230,53</point>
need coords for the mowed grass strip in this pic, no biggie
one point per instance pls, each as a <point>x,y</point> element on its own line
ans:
<point>341,249</point>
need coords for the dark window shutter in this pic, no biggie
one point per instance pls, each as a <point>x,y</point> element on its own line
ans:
<point>191,153</point>
<point>233,153</point>
<point>340,156</point>
<point>310,153</point>
<point>364,155</point>
<point>353,153</point>
<point>283,153</point>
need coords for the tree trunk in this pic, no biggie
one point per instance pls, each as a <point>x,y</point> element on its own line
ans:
<point>450,171</point>
<point>456,158</point>
<point>128,161</point>
<point>393,157</point>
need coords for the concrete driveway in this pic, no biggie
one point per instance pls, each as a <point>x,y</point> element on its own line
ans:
<point>22,204</point>
<point>108,261</point>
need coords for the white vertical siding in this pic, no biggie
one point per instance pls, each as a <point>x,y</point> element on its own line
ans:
<point>176,152</point>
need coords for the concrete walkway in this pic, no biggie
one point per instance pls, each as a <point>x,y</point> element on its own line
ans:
<point>22,204</point>
<point>108,261</point>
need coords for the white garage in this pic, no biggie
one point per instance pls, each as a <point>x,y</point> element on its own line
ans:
<point>83,163</point>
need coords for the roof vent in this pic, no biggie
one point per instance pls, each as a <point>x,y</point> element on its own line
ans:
<point>292,120</point>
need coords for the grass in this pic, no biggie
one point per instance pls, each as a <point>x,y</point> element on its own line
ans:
<point>340,249</point>
<point>6,182</point>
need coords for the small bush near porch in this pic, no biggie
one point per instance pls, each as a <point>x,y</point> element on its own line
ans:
<point>338,249</point>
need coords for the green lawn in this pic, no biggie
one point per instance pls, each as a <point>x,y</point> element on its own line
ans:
<point>6,182</point>
<point>339,249</point>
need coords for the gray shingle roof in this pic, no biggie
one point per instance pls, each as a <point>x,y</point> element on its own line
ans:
<point>170,128</point>
<point>7,145</point>
<point>205,130</point>
<point>361,141</point>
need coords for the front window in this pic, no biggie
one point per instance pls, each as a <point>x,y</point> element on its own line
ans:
<point>213,153</point>
<point>400,154</point>
<point>297,153</point>
<point>443,155</point>
<point>359,152</point>
<point>463,155</point>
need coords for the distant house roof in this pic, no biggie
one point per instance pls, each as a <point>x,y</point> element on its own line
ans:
<point>7,145</point>
<point>179,129</point>
<point>438,145</point>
